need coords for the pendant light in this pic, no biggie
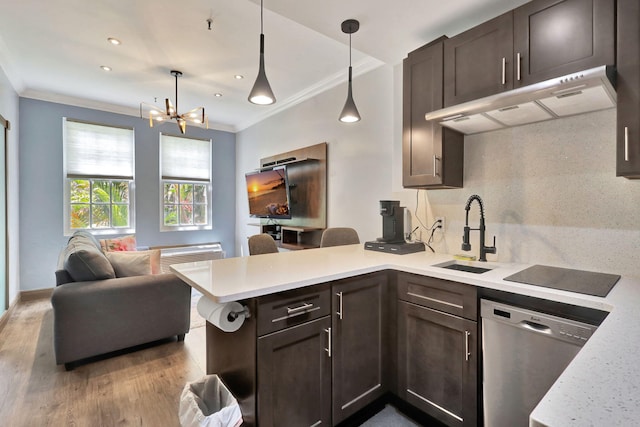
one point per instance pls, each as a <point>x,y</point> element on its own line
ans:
<point>350,111</point>
<point>261,93</point>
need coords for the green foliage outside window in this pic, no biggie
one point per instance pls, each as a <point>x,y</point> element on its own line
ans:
<point>98,204</point>
<point>185,204</point>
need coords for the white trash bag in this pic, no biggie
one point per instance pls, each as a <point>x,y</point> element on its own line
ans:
<point>208,403</point>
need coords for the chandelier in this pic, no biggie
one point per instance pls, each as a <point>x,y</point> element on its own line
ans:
<point>156,114</point>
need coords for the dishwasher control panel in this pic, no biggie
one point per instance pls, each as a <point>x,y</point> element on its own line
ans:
<point>552,326</point>
<point>578,333</point>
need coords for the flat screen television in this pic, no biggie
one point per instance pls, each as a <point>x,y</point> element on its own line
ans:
<point>268,192</point>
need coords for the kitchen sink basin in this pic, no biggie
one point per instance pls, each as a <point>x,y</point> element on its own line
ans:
<point>454,265</point>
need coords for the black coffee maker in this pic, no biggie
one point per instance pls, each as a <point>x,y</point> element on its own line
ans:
<point>392,222</point>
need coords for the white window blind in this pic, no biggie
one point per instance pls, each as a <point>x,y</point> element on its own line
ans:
<point>98,151</point>
<point>185,159</point>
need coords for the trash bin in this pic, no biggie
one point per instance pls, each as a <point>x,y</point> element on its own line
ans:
<point>208,403</point>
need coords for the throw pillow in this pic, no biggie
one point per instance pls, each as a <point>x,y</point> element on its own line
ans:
<point>135,263</point>
<point>124,243</point>
<point>155,261</point>
<point>84,261</point>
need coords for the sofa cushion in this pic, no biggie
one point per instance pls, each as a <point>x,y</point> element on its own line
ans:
<point>85,237</point>
<point>124,243</point>
<point>135,263</point>
<point>84,261</point>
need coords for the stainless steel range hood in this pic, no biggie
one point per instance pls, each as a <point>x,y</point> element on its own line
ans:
<point>577,93</point>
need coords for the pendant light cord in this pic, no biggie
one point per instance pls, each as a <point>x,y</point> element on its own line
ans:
<point>261,19</point>
<point>176,109</point>
<point>349,49</point>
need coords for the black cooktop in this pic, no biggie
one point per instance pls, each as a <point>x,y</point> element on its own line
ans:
<point>582,282</point>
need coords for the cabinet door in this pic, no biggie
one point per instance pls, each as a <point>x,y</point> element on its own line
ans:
<point>477,63</point>
<point>294,376</point>
<point>437,363</point>
<point>553,38</point>
<point>432,156</point>
<point>360,343</point>
<point>628,88</point>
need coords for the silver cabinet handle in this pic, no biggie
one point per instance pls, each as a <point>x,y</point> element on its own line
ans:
<point>504,71</point>
<point>435,166</point>
<point>467,353</point>
<point>626,144</point>
<point>518,76</point>
<point>328,349</point>
<point>303,307</point>
<point>339,312</point>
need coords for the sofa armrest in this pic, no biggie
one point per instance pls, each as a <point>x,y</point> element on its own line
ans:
<point>101,316</point>
<point>62,277</point>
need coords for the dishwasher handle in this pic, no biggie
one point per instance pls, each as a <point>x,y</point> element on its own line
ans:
<point>535,327</point>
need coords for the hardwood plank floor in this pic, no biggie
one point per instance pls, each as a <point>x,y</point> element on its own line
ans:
<point>140,388</point>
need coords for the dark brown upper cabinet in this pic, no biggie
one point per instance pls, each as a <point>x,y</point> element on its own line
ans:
<point>477,63</point>
<point>553,38</point>
<point>432,156</point>
<point>628,85</point>
<point>538,41</point>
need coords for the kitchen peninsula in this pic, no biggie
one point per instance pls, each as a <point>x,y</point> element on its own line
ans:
<point>596,389</point>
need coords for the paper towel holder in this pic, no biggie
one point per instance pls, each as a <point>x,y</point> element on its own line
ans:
<point>235,314</point>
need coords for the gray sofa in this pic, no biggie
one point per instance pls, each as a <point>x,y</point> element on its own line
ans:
<point>96,312</point>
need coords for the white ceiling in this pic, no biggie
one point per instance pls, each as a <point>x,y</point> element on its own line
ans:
<point>52,50</point>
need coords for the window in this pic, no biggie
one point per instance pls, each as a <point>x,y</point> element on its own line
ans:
<point>185,175</point>
<point>99,178</point>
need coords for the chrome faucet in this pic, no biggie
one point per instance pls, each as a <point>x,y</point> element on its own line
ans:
<point>466,246</point>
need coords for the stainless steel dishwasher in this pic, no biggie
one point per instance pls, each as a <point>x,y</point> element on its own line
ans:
<point>524,352</point>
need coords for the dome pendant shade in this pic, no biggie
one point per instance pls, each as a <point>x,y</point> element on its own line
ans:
<point>261,93</point>
<point>350,112</point>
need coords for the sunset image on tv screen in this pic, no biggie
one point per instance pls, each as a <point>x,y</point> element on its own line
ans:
<point>267,193</point>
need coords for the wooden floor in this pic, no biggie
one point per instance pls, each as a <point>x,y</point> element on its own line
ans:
<point>141,388</point>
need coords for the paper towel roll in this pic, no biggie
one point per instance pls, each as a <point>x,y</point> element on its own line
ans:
<point>218,314</point>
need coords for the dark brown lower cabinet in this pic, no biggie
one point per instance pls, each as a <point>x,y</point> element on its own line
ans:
<point>316,356</point>
<point>360,312</point>
<point>294,376</point>
<point>437,363</point>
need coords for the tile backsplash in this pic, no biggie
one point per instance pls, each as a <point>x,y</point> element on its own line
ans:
<point>551,196</point>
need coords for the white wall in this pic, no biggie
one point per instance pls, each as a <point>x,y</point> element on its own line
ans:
<point>550,191</point>
<point>9,110</point>
<point>359,154</point>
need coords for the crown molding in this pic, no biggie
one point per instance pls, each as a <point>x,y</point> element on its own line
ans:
<point>102,106</point>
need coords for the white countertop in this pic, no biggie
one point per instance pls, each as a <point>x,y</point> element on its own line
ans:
<point>601,386</point>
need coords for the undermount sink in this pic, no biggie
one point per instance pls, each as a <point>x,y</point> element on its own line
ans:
<point>454,265</point>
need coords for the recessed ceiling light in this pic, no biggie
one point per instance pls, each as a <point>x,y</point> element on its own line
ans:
<point>217,94</point>
<point>238,77</point>
<point>113,41</point>
<point>105,67</point>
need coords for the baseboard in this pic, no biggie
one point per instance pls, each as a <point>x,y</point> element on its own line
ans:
<point>24,297</point>
<point>4,319</point>
<point>35,295</point>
